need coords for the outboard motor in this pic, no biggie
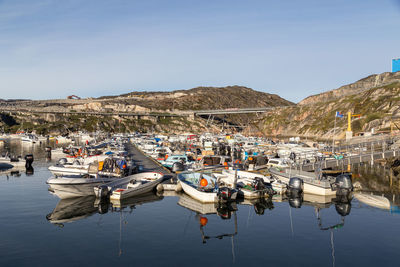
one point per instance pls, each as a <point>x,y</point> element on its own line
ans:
<point>28,161</point>
<point>178,167</point>
<point>296,185</point>
<point>225,194</point>
<point>258,183</point>
<point>343,185</point>
<point>102,191</point>
<point>48,152</point>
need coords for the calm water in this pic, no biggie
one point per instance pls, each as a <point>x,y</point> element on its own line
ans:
<point>37,229</point>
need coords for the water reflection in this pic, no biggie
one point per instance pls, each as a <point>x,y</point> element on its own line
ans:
<point>74,209</point>
<point>202,210</point>
<point>260,205</point>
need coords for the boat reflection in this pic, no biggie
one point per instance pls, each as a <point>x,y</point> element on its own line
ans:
<point>373,199</point>
<point>260,205</point>
<point>73,209</point>
<point>205,210</point>
<point>342,206</point>
<point>132,202</point>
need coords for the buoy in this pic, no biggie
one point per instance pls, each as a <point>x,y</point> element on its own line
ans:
<point>203,182</point>
<point>226,165</point>
<point>203,221</point>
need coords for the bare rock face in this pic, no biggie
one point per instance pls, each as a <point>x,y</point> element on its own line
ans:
<point>376,80</point>
<point>376,99</point>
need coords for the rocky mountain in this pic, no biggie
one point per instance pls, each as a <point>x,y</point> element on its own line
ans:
<point>372,81</point>
<point>200,98</point>
<point>376,98</point>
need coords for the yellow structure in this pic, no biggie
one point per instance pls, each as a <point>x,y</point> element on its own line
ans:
<point>349,121</point>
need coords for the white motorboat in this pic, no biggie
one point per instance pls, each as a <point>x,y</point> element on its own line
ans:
<point>109,167</point>
<point>130,186</point>
<point>66,170</point>
<point>205,188</point>
<point>9,162</point>
<point>73,186</point>
<point>312,184</point>
<point>380,202</point>
<point>29,138</point>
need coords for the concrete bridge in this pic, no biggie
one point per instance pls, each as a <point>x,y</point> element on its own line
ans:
<point>232,111</point>
<point>177,113</point>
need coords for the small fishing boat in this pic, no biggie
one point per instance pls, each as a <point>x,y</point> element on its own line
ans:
<point>252,185</point>
<point>205,187</point>
<point>380,202</point>
<point>130,186</point>
<point>73,186</point>
<point>313,183</point>
<point>29,138</point>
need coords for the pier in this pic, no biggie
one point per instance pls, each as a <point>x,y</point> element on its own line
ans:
<point>351,159</point>
<point>148,164</point>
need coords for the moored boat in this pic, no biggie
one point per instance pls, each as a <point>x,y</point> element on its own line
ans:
<point>205,188</point>
<point>323,185</point>
<point>130,186</point>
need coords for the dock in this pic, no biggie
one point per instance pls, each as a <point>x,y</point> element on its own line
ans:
<point>348,160</point>
<point>148,164</point>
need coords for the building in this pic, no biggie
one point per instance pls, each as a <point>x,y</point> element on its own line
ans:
<point>396,65</point>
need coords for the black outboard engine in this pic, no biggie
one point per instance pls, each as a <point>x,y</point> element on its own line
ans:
<point>224,194</point>
<point>296,185</point>
<point>258,184</point>
<point>48,152</point>
<point>178,167</point>
<point>102,191</point>
<point>343,185</point>
<point>28,161</point>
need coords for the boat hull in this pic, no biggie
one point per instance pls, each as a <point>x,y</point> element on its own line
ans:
<point>75,187</point>
<point>132,192</point>
<point>204,197</point>
<point>316,188</point>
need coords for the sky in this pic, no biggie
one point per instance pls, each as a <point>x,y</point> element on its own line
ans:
<point>293,48</point>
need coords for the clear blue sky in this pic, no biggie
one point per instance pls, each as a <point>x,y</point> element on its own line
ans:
<point>55,48</point>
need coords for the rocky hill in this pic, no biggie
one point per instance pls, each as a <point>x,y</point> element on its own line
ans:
<point>376,98</point>
<point>372,81</point>
<point>177,102</point>
<point>200,98</point>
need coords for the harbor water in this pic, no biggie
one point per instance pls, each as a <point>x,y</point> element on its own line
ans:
<point>39,229</point>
